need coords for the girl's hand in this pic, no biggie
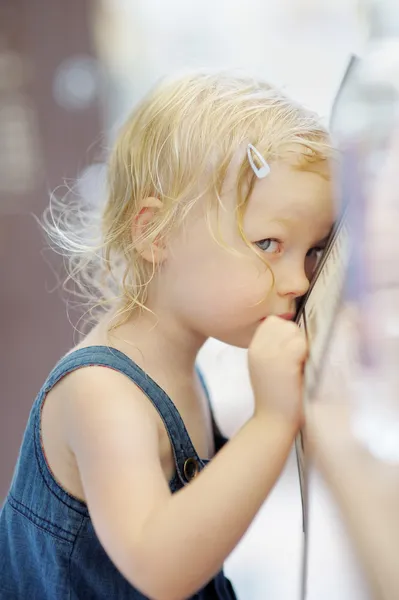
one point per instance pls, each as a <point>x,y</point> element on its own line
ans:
<point>276,359</point>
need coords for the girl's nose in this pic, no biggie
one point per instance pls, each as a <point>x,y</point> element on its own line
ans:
<point>294,284</point>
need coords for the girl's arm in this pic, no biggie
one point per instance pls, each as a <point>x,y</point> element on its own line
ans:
<point>168,546</point>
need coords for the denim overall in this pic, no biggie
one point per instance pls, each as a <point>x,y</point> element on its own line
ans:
<point>48,547</point>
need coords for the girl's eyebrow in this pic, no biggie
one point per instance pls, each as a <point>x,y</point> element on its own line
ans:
<point>286,222</point>
<point>282,221</point>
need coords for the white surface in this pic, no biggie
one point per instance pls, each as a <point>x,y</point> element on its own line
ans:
<point>300,45</point>
<point>334,571</point>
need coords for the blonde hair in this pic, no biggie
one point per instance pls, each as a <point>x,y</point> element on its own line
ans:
<point>186,131</point>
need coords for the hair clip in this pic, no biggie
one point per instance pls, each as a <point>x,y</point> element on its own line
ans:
<point>260,172</point>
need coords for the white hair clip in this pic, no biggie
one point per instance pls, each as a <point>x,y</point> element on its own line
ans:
<point>262,171</point>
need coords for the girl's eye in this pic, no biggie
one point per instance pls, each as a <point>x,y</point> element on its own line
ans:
<point>313,257</point>
<point>271,246</point>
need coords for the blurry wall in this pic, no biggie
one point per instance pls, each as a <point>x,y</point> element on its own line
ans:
<point>49,119</point>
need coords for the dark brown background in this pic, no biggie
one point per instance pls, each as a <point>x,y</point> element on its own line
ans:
<point>34,327</point>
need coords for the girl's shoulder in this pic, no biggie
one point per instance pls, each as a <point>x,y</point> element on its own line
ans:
<point>89,403</point>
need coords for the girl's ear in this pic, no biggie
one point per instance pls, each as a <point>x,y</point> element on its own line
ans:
<point>149,247</point>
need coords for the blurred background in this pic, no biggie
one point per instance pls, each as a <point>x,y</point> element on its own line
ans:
<point>69,73</point>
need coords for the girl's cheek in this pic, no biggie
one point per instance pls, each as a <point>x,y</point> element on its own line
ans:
<point>260,286</point>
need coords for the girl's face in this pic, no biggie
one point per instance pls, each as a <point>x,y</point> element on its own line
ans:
<point>216,293</point>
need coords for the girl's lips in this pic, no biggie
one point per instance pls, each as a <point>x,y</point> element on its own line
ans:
<point>286,317</point>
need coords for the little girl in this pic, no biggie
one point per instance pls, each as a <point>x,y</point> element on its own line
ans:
<point>219,204</point>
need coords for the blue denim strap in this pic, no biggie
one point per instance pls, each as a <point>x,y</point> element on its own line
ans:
<point>106,356</point>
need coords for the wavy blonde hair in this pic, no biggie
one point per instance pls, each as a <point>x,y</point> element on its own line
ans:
<point>186,131</point>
